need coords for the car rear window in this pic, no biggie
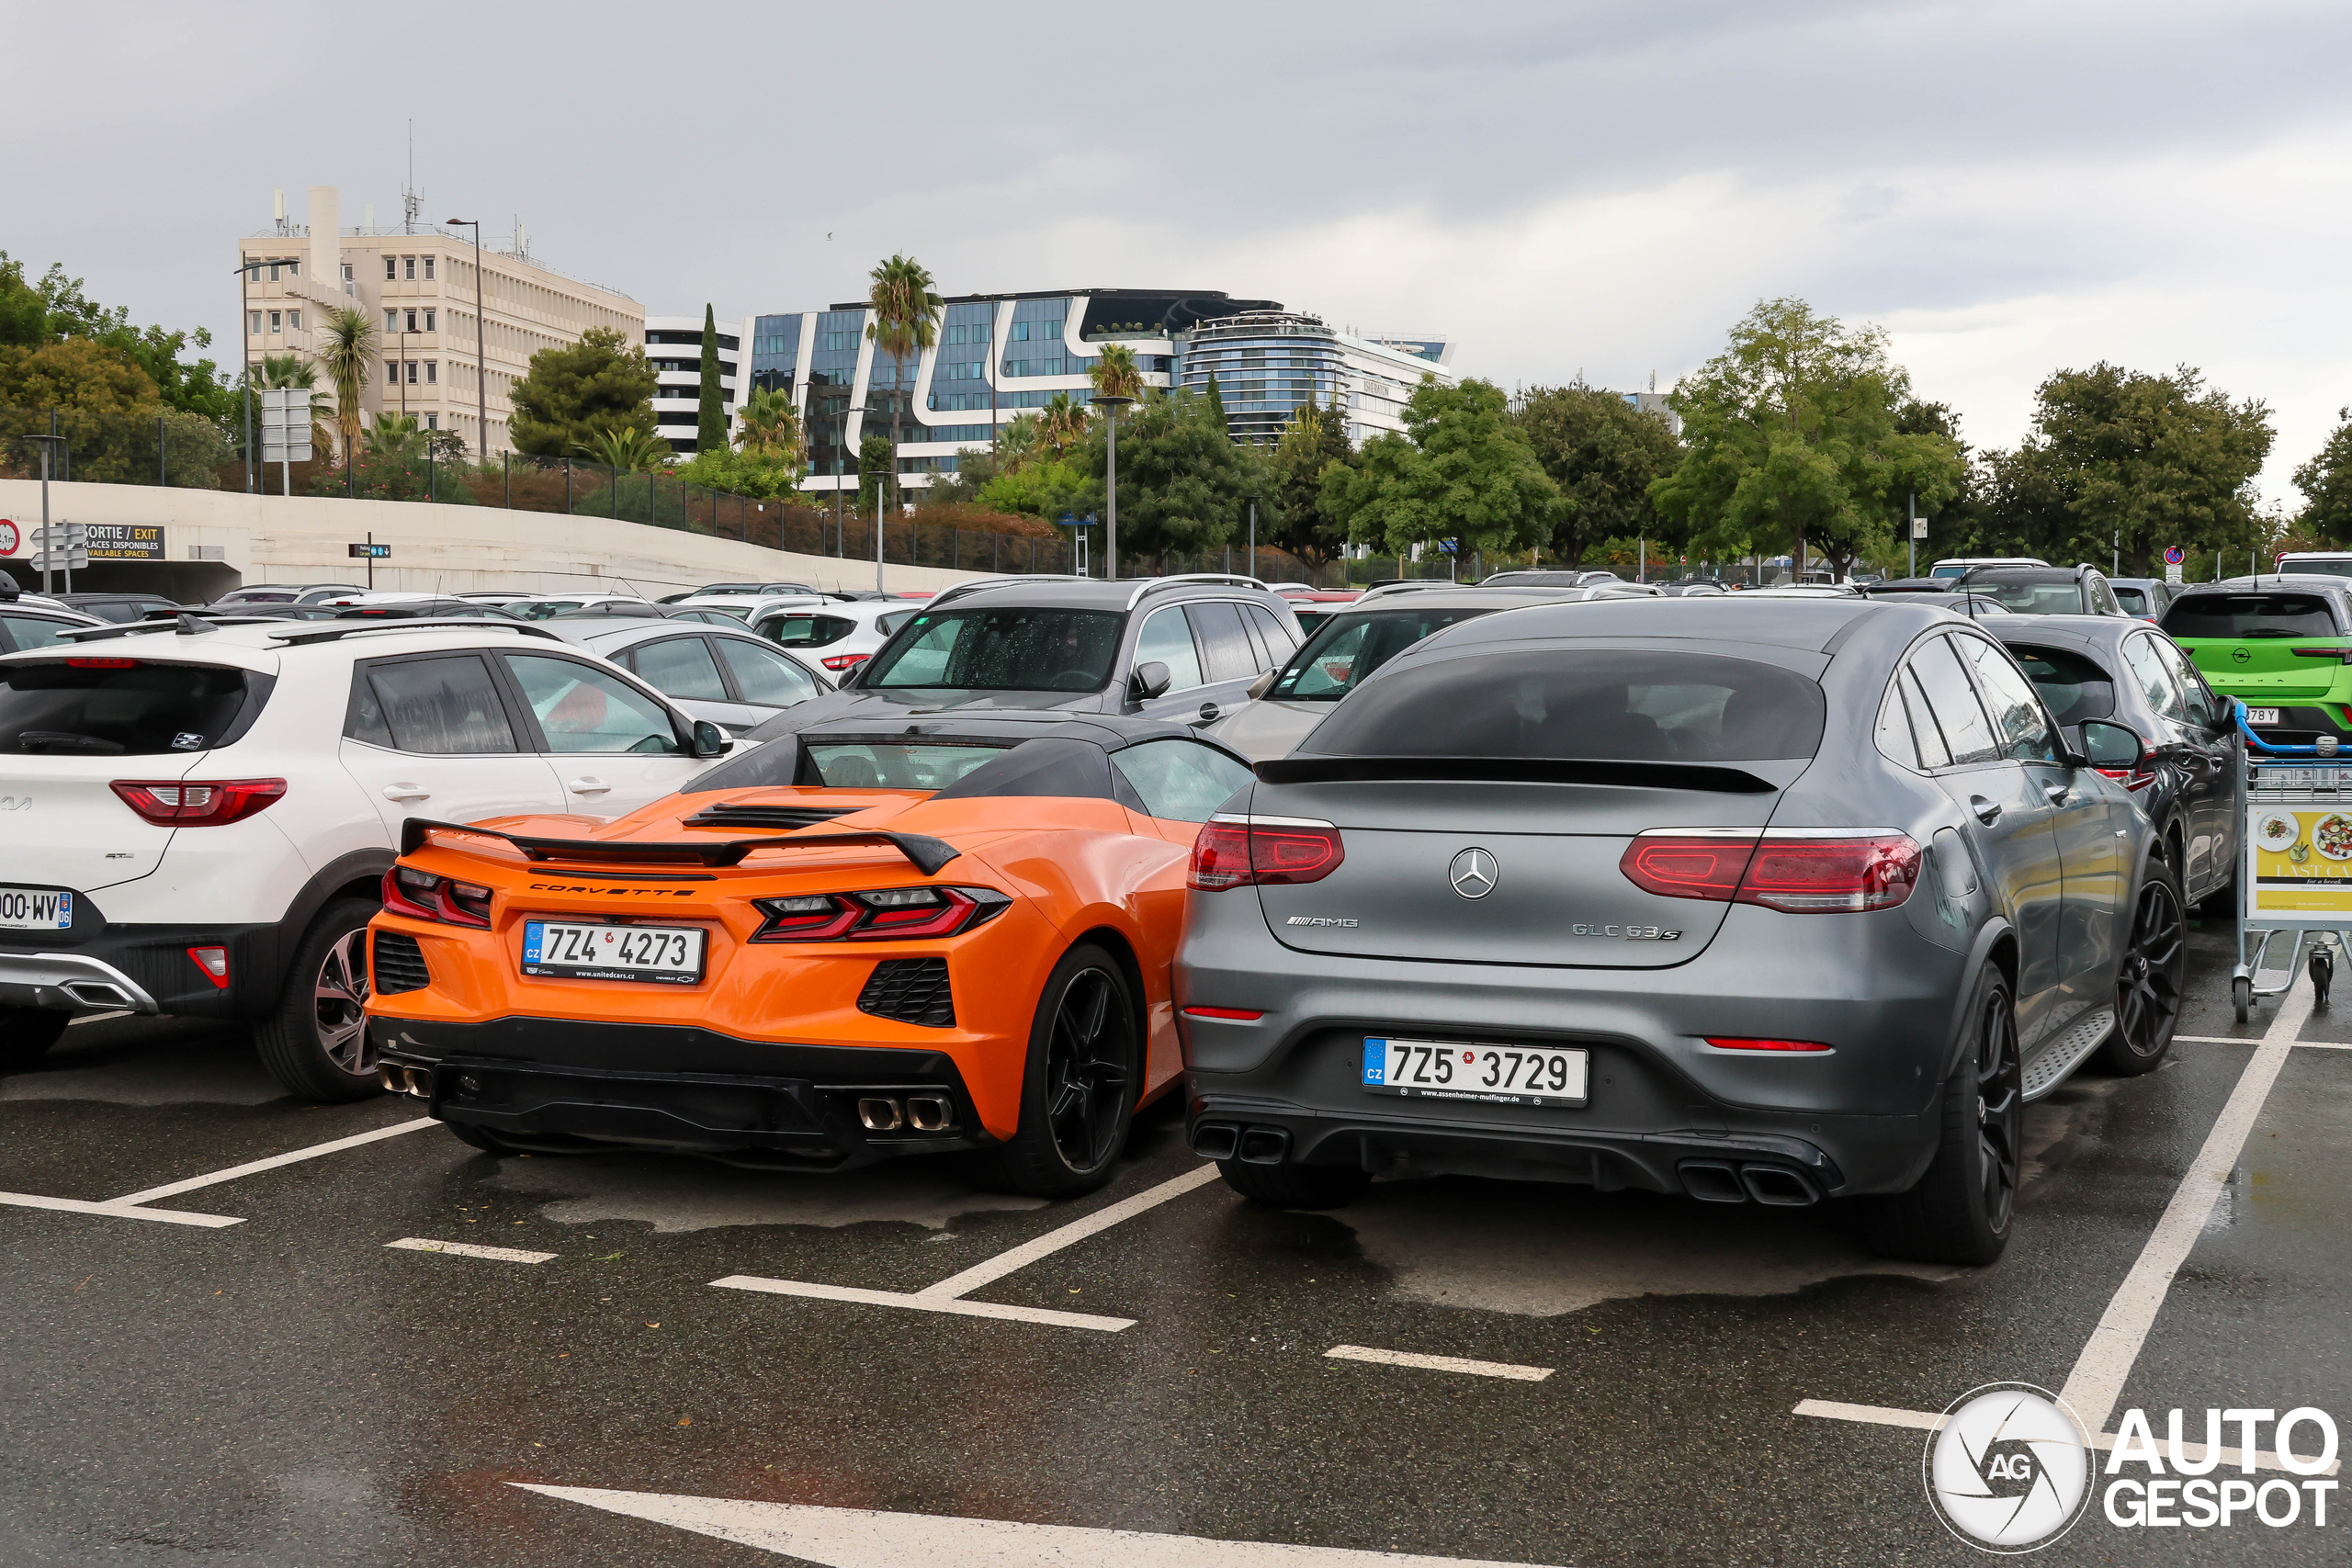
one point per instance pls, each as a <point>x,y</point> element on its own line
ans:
<point>1031,650</point>
<point>2134,600</point>
<point>113,707</point>
<point>1606,705</point>
<point>891,764</point>
<point>1346,648</point>
<point>2026,597</point>
<point>2250,616</point>
<point>2072,686</point>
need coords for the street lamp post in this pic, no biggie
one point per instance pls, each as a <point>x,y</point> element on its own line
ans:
<point>1110,488</point>
<point>482,363</point>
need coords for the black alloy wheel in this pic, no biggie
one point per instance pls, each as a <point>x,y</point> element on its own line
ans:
<point>1087,1079</point>
<point>2000,1111</point>
<point>2149,979</point>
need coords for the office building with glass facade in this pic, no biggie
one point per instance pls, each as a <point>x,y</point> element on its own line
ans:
<point>1000,356</point>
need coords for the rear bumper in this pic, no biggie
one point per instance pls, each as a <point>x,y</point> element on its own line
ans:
<point>69,982</point>
<point>561,1083</point>
<point>143,969</point>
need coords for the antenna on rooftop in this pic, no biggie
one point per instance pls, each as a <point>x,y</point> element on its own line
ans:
<point>412,199</point>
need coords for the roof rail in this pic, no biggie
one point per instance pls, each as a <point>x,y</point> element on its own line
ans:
<point>957,590</point>
<point>309,632</point>
<point>172,627</point>
<point>1420,586</point>
<point>1225,578</point>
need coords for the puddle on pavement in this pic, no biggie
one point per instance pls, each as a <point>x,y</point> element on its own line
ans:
<point>676,1194</point>
<point>148,1061</point>
<point>1542,1250</point>
<point>2065,1125</point>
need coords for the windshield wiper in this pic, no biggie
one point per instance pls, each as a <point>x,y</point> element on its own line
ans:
<point>43,741</point>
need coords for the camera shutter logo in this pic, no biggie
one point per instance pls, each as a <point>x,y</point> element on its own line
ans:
<point>1474,872</point>
<point>2010,1471</point>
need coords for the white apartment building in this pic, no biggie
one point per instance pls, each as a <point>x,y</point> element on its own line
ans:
<point>451,343</point>
<point>673,345</point>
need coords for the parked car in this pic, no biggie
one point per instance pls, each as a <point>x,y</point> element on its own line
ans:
<point>290,594</point>
<point>936,993</point>
<point>2277,644</point>
<point>746,590</point>
<point>213,806</point>
<point>1569,889</point>
<point>748,609</point>
<point>1958,566</point>
<point>1936,592</point>
<point>119,608</point>
<point>2144,598</point>
<point>1343,649</point>
<point>2079,589</point>
<point>1566,577</point>
<point>495,595</point>
<point>2315,563</point>
<point>2191,754</point>
<point>1167,648</point>
<point>1693,588</point>
<point>839,635</point>
<point>1311,604</point>
<point>28,623</point>
<point>725,676</point>
<point>424,607</point>
<point>550,604</point>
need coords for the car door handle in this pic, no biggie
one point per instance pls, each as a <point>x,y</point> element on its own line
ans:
<point>589,785</point>
<point>1988,811</point>
<point>406,792</point>
<point>2056,792</point>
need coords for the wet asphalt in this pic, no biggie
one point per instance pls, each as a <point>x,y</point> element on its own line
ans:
<point>289,1391</point>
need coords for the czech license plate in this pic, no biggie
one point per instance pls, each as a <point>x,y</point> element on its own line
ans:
<point>1491,1075</point>
<point>2262,715</point>
<point>669,955</point>
<point>35,910</point>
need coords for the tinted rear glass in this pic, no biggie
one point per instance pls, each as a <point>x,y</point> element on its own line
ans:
<point>2330,566</point>
<point>146,710</point>
<point>2063,597</point>
<point>2249,615</point>
<point>2134,600</point>
<point>2074,688</point>
<point>1613,705</point>
<point>1001,650</point>
<point>891,764</point>
<point>1342,650</point>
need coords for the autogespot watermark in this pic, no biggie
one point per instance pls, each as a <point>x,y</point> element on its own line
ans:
<point>2012,1470</point>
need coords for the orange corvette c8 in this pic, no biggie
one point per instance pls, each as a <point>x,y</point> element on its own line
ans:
<point>867,940</point>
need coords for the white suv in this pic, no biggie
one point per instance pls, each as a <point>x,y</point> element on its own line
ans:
<point>196,817</point>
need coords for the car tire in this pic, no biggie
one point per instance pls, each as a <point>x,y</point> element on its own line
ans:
<point>1965,1207</point>
<point>1078,1093</point>
<point>314,1040</point>
<point>2150,978</point>
<point>27,1034</point>
<point>1289,1185</point>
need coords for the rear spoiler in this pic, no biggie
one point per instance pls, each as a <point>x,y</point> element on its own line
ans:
<point>1297,768</point>
<point>928,854</point>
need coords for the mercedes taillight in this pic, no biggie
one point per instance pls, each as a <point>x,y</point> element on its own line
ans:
<point>1796,871</point>
<point>1240,851</point>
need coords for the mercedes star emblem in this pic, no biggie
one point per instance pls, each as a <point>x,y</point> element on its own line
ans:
<point>1474,872</point>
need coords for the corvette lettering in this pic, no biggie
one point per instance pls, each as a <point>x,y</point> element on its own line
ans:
<point>636,891</point>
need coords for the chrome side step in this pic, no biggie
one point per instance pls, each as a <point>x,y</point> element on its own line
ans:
<point>2065,1050</point>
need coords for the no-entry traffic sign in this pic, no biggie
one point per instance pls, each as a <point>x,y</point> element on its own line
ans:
<point>2172,556</point>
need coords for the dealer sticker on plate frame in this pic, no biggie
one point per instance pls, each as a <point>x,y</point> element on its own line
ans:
<point>581,950</point>
<point>1487,1075</point>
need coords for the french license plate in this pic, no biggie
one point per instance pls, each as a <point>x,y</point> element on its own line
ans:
<point>571,950</point>
<point>2262,715</point>
<point>35,910</point>
<point>1490,1075</point>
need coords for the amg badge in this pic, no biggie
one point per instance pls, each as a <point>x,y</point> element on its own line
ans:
<point>1320,920</point>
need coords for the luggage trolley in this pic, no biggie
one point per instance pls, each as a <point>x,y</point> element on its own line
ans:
<point>2294,867</point>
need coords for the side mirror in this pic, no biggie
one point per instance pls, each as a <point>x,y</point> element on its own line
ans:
<point>710,741</point>
<point>2107,744</point>
<point>1150,680</point>
<point>1262,684</point>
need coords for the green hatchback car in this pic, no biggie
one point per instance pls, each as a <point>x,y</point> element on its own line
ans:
<point>2281,644</point>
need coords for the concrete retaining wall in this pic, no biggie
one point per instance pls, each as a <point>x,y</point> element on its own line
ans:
<point>272,538</point>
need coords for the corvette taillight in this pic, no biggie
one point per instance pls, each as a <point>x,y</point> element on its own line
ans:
<point>192,802</point>
<point>421,896</point>
<point>1797,873</point>
<point>1240,851</point>
<point>882,914</point>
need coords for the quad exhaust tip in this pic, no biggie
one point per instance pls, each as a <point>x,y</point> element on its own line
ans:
<point>413,1081</point>
<point>1714,1181</point>
<point>1216,1139</point>
<point>928,1113</point>
<point>879,1115</point>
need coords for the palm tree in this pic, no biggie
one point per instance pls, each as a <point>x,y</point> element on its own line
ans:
<point>395,438</point>
<point>346,347</point>
<point>1062,423</point>
<point>906,322</point>
<point>1115,374</point>
<point>630,449</point>
<point>771,426</point>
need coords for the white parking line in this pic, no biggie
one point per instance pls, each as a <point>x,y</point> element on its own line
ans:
<point>2248,1039</point>
<point>1933,1421</point>
<point>1439,1363</point>
<point>467,1249</point>
<point>946,1295</point>
<point>2097,1381</point>
<point>133,1205</point>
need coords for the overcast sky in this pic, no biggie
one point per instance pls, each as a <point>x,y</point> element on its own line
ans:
<point>1595,188</point>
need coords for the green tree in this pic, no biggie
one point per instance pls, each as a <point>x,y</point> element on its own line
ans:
<point>24,314</point>
<point>395,437</point>
<point>346,347</point>
<point>875,453</point>
<point>1463,476</point>
<point>1062,423</point>
<point>757,472</point>
<point>601,384</point>
<point>1115,373</point>
<point>2326,483</point>
<point>56,308</point>
<point>2126,462</point>
<point>771,428</point>
<point>1216,399</point>
<point>710,420</point>
<point>628,449</point>
<point>277,372</point>
<point>906,323</point>
<point>1182,482</point>
<point>1604,454</point>
<point>1296,517</point>
<point>105,408</point>
<point>1790,441</point>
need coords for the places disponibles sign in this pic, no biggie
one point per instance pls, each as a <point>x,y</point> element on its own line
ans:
<point>125,541</point>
